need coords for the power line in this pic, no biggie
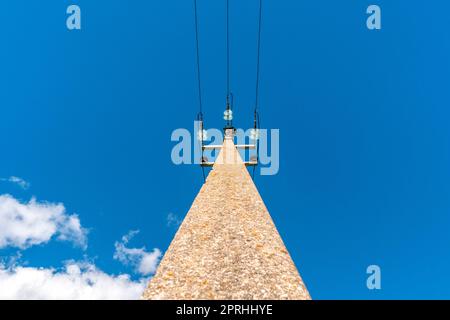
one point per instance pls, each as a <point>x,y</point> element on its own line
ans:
<point>228,113</point>
<point>198,62</point>
<point>200,114</point>
<point>256,113</point>
<point>258,58</point>
<point>228,49</point>
<point>229,102</point>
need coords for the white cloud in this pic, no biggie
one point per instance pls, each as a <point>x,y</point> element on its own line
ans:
<point>173,220</point>
<point>144,262</point>
<point>17,180</point>
<point>75,281</point>
<point>23,225</point>
<point>126,238</point>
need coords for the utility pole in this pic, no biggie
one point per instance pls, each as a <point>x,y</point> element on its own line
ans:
<point>227,246</point>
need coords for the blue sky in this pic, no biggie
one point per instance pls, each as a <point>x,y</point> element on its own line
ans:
<point>86,118</point>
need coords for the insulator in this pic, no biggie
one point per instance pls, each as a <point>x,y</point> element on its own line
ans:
<point>202,135</point>
<point>228,115</point>
<point>254,134</point>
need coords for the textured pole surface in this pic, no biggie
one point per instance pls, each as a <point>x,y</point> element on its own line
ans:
<point>227,246</point>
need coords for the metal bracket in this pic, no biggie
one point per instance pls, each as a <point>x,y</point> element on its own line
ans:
<point>212,147</point>
<point>207,164</point>
<point>246,146</point>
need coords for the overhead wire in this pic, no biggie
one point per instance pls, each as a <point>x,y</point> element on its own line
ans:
<point>200,104</point>
<point>256,124</point>
<point>229,95</point>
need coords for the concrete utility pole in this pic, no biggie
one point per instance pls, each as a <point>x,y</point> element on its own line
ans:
<point>227,246</point>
